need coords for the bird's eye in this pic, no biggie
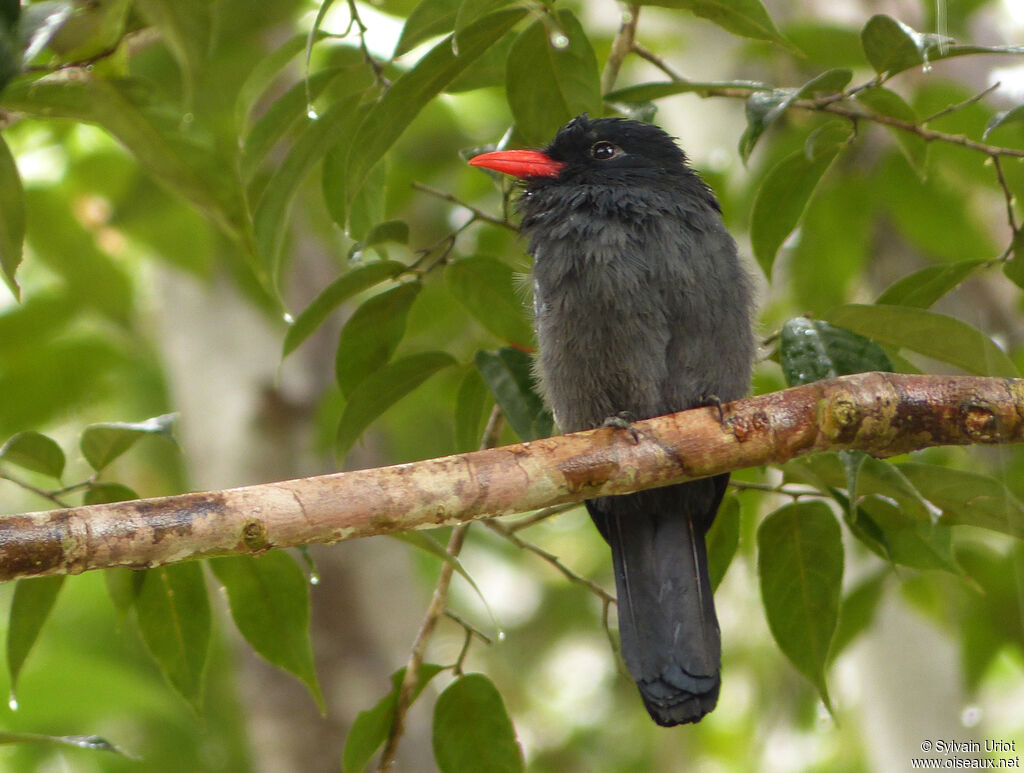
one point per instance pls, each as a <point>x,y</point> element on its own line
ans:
<point>602,151</point>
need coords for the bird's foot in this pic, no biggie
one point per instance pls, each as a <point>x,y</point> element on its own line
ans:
<point>713,401</point>
<point>623,420</point>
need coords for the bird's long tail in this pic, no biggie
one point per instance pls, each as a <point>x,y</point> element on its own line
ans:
<point>667,623</point>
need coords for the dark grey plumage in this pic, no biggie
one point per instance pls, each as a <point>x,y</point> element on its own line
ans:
<point>642,306</point>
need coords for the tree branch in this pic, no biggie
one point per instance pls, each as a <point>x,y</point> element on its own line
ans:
<point>881,413</point>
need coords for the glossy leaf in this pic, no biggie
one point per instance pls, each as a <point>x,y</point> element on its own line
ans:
<point>388,118</point>
<point>1014,269</point>
<point>337,292</point>
<point>508,374</point>
<point>943,338</point>
<point>382,389</point>
<point>781,200</point>
<point>892,47</point>
<point>471,402</point>
<point>910,541</point>
<point>372,334</point>
<point>370,728</point>
<point>723,538</point>
<point>34,451</point>
<point>260,78</point>
<point>93,742</point>
<point>813,350</point>
<point>552,77</point>
<point>923,288</point>
<point>764,107</point>
<point>173,612</point>
<point>800,565</point>
<point>31,605</point>
<point>967,498</point>
<point>12,217</point>
<point>747,18</point>
<point>269,600</point>
<point>103,443</point>
<point>290,111</point>
<point>102,492</point>
<point>1003,118</point>
<point>471,10</point>
<point>271,212</point>
<point>472,729</point>
<point>889,103</point>
<point>486,287</point>
<point>428,19</point>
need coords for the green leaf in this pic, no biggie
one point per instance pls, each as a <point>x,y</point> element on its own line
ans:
<point>910,541</point>
<point>31,605</point>
<point>337,292</point>
<point>877,477</point>
<point>800,565</point>
<point>314,141</point>
<point>100,493</point>
<point>260,78</point>
<point>889,103</point>
<point>723,538</point>
<point>923,288</point>
<point>471,10</point>
<point>388,118</point>
<point>747,18</point>
<point>34,451</point>
<point>372,334</point>
<point>173,612</point>
<point>1002,118</point>
<point>269,600</point>
<point>857,612</point>
<point>12,217</point>
<point>382,389</point>
<point>291,110</point>
<point>1014,269</point>
<point>428,544</point>
<point>395,231</point>
<point>764,107</point>
<point>509,375</point>
<point>370,728</point>
<point>812,350</point>
<point>189,169</point>
<point>781,200</point>
<point>184,26</point>
<point>103,443</point>
<point>967,498</point>
<point>486,288</point>
<point>471,402</point>
<point>94,742</point>
<point>943,338</point>
<point>123,586</point>
<point>649,92</point>
<point>472,729</point>
<point>551,77</point>
<point>892,47</point>
<point>428,19</point>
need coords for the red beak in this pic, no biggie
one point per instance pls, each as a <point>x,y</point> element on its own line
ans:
<point>521,163</point>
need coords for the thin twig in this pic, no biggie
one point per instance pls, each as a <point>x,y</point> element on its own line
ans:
<point>479,214</point>
<point>515,539</point>
<point>621,47</point>
<point>961,105</point>
<point>469,627</point>
<point>378,70</point>
<point>438,607</point>
<point>645,53</point>
<point>770,488</point>
<point>1007,193</point>
<point>47,495</point>
<point>541,515</point>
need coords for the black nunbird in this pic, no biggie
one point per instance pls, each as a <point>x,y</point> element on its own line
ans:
<point>642,308</point>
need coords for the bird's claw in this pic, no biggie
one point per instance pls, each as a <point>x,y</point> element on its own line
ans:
<point>623,420</point>
<point>709,401</point>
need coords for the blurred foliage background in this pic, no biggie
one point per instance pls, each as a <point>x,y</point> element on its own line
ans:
<point>257,216</point>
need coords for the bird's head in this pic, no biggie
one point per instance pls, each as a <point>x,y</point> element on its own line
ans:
<point>602,150</point>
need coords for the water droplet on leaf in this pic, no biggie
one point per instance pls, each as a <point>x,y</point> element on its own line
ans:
<point>560,41</point>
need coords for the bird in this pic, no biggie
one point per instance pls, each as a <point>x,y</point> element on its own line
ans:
<point>642,307</point>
